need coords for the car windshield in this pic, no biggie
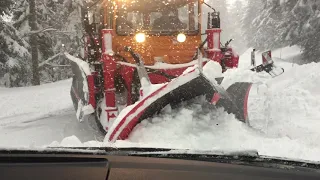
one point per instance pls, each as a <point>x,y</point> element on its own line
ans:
<point>213,75</point>
<point>160,20</point>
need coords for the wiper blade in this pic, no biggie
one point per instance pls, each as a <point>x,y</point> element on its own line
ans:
<point>155,151</point>
<point>211,156</point>
<point>249,157</point>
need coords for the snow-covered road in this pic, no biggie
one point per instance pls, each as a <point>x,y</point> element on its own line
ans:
<point>284,113</point>
<point>37,116</point>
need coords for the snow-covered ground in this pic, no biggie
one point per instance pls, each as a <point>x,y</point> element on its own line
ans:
<point>284,115</point>
<point>36,116</point>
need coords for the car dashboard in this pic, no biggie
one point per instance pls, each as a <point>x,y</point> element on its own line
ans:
<point>103,165</point>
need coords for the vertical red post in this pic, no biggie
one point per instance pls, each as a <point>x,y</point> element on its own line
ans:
<point>109,70</point>
<point>214,51</point>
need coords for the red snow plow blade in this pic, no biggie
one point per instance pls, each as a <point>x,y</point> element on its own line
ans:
<point>183,88</point>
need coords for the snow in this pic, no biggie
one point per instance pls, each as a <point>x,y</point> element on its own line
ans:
<point>212,70</point>
<point>284,114</point>
<point>20,108</point>
<point>34,102</point>
<point>84,65</point>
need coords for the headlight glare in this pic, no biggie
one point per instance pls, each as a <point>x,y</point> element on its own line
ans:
<point>181,37</point>
<point>140,37</point>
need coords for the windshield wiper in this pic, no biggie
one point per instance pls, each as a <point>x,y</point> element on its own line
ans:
<point>246,157</point>
<point>249,158</point>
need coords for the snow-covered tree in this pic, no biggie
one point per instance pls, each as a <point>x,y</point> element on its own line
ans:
<point>5,6</point>
<point>267,23</point>
<point>58,28</point>
<point>307,14</point>
<point>252,10</point>
<point>285,22</point>
<point>236,16</point>
<point>13,52</point>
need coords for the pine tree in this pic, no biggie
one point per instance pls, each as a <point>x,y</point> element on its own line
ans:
<point>5,6</point>
<point>58,28</point>
<point>287,22</point>
<point>13,52</point>
<point>252,10</point>
<point>267,25</point>
<point>309,34</point>
<point>34,43</point>
<point>236,14</point>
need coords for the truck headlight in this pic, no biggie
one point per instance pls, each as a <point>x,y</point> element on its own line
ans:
<point>181,37</point>
<point>140,37</point>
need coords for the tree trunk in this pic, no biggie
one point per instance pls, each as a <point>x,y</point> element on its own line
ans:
<point>34,43</point>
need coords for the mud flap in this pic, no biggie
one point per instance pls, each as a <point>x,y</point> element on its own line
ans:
<point>80,92</point>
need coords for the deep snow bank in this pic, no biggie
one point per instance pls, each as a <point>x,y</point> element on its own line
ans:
<point>22,104</point>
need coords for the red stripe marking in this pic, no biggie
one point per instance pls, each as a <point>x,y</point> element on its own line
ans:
<point>216,97</point>
<point>245,106</point>
<point>133,122</point>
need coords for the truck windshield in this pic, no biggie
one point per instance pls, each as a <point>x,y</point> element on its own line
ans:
<point>163,21</point>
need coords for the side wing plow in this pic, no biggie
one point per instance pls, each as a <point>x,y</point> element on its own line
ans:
<point>82,89</point>
<point>267,64</point>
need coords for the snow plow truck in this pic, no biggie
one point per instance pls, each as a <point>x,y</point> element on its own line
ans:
<point>140,57</point>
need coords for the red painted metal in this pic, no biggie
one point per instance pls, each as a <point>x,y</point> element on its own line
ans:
<point>232,61</point>
<point>214,51</point>
<point>109,70</point>
<point>265,60</point>
<point>216,97</point>
<point>158,79</point>
<point>211,38</point>
<point>235,61</point>
<point>126,131</point>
